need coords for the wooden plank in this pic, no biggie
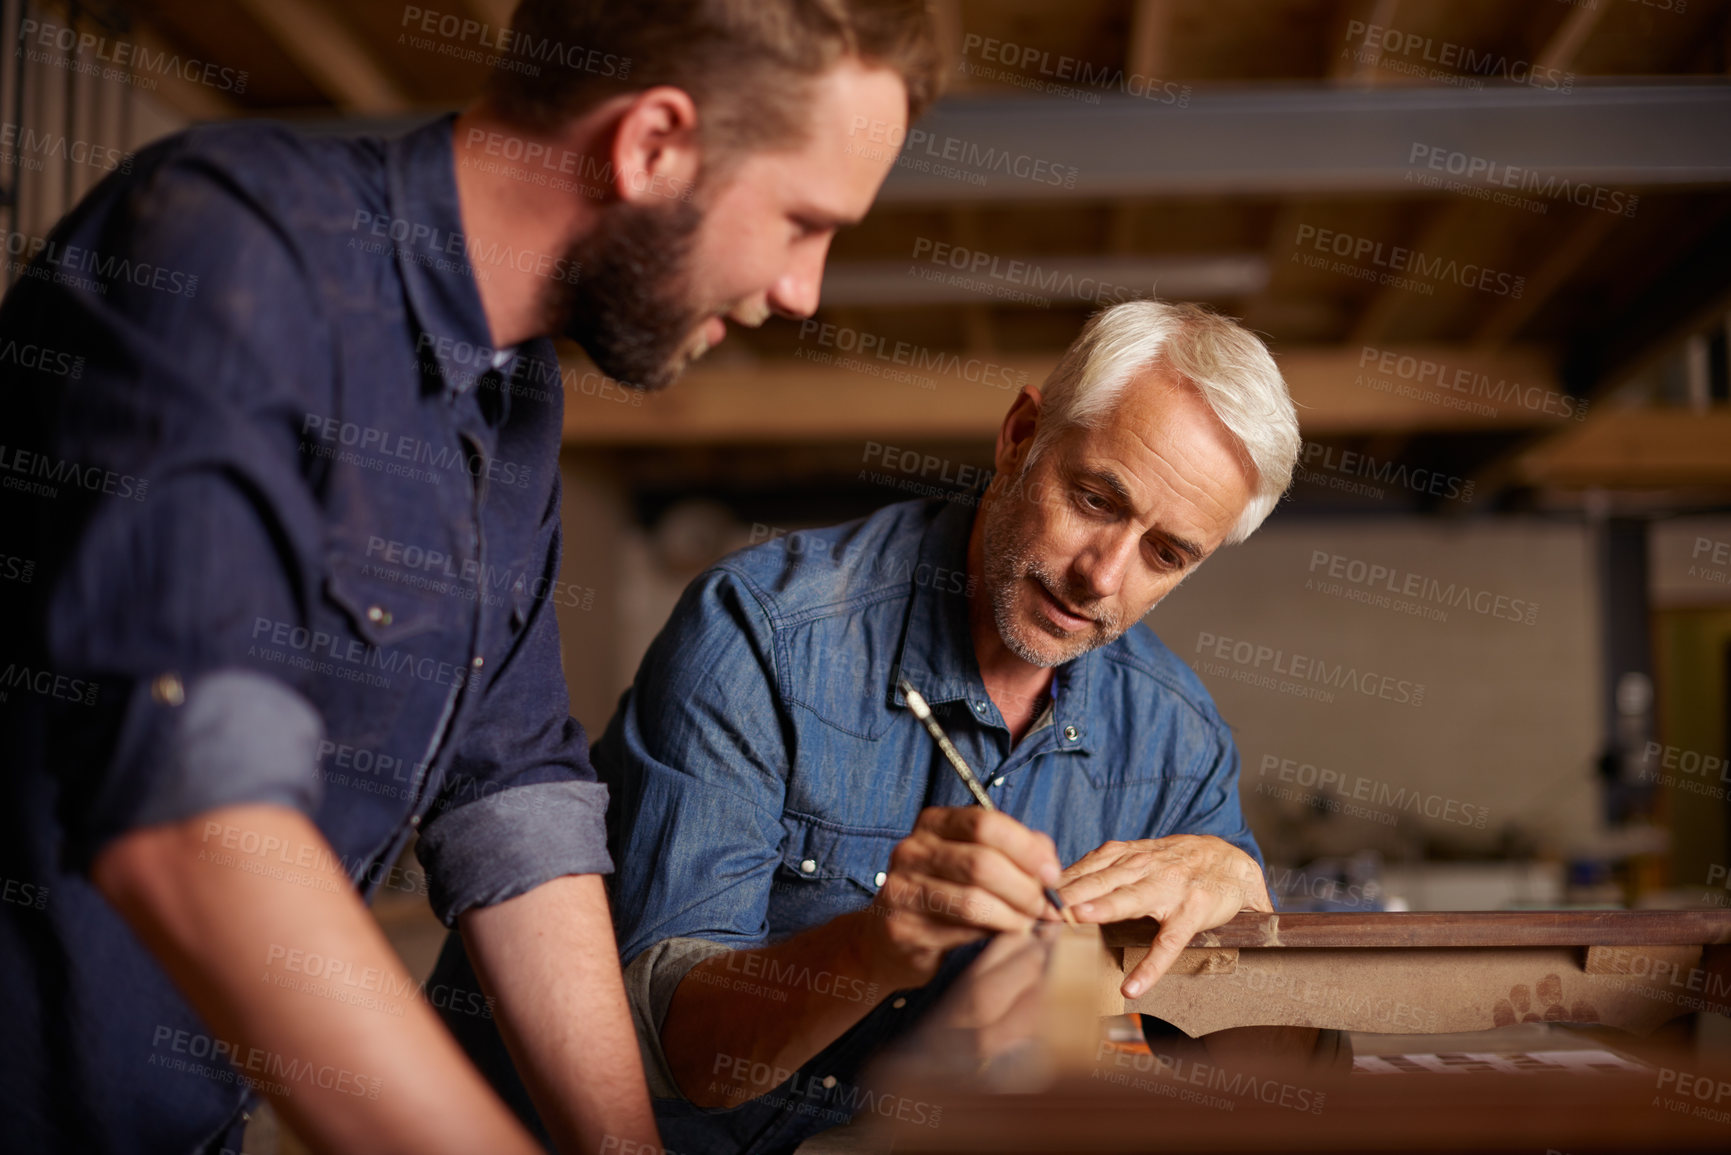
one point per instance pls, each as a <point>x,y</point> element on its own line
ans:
<point>1440,230</point>
<point>1444,929</point>
<point>331,56</point>
<point>1634,448</point>
<point>1623,960</point>
<point>1571,36</point>
<point>496,13</point>
<point>1079,988</point>
<point>1362,70</point>
<point>1432,991</point>
<point>981,1079</point>
<point>1196,961</point>
<point>192,100</point>
<point>911,393</point>
<point>1148,50</point>
<point>1563,261</point>
<point>1157,1109</point>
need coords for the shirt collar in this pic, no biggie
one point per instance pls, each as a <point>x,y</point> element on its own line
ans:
<point>937,646</point>
<point>426,230</point>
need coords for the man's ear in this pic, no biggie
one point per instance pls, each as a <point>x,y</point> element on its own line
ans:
<point>1016,434</point>
<point>656,153</point>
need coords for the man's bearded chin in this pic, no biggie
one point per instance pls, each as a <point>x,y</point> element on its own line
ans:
<point>628,307</point>
<point>1009,557</point>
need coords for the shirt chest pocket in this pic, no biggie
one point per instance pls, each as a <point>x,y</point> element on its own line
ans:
<point>827,869</point>
<point>389,650</point>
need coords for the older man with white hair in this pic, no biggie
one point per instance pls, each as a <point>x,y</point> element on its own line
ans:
<point>796,859</point>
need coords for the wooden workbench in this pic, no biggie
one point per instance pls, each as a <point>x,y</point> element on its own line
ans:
<point>1016,1060</point>
<point>1429,973</point>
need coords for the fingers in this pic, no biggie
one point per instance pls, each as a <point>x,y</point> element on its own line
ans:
<point>951,903</point>
<point>1155,876</point>
<point>1093,861</point>
<point>1034,853</point>
<point>1175,934</point>
<point>984,869</point>
<point>1119,878</point>
<point>1107,901</point>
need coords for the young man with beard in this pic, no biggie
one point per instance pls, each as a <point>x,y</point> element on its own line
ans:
<point>288,491</point>
<point>797,859</point>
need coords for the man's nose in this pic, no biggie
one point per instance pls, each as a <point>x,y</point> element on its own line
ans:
<point>1104,563</point>
<point>795,293</point>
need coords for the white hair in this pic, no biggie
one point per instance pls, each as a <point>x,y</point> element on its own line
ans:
<point>1226,363</point>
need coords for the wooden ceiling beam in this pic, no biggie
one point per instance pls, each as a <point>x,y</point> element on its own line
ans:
<point>1353,68</point>
<point>189,99</point>
<point>1146,53</point>
<point>330,56</point>
<point>977,330</point>
<point>495,12</point>
<point>172,91</point>
<point>1565,44</point>
<point>1634,449</point>
<point>947,23</point>
<point>1629,335</point>
<point>921,395</point>
<point>1581,241</point>
<point>1387,302</point>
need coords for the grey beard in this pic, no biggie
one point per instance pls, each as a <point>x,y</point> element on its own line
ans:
<point>1003,564</point>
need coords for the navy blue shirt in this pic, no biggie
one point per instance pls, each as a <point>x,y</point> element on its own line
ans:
<point>764,765</point>
<point>280,527</point>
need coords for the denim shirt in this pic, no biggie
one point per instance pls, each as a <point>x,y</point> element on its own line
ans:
<point>763,766</point>
<point>288,533</point>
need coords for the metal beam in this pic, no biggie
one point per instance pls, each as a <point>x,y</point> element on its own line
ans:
<point>1308,140</point>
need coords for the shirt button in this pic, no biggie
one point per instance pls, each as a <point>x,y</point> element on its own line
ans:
<point>980,708</point>
<point>415,821</point>
<point>879,877</point>
<point>477,661</point>
<point>898,1004</point>
<point>809,866</point>
<point>998,781</point>
<point>1071,733</point>
<point>379,615</point>
<point>167,690</point>
<point>828,1082</point>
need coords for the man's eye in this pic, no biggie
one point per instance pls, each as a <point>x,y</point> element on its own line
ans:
<point>1095,502</point>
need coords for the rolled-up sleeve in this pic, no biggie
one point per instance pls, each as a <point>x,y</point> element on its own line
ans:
<point>190,522</point>
<point>520,804</point>
<point>698,761</point>
<point>236,737</point>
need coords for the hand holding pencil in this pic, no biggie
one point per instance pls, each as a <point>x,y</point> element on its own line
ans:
<point>923,711</point>
<point>965,872</point>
